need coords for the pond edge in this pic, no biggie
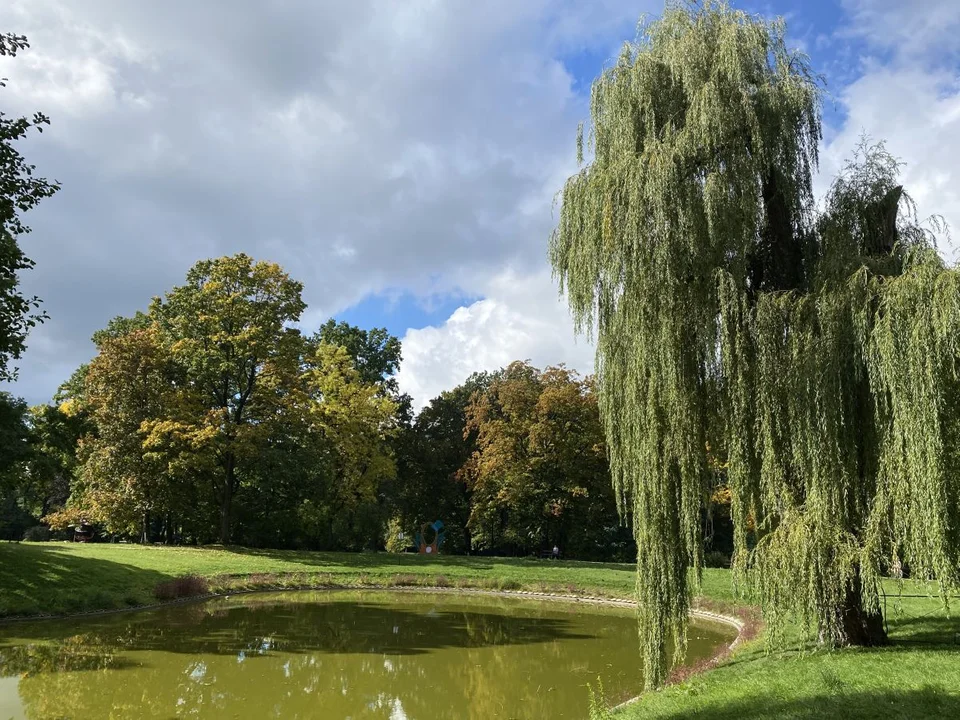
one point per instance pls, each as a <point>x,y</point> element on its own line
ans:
<point>730,620</point>
<point>724,619</point>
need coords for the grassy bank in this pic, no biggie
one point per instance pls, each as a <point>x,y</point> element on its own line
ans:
<point>918,676</point>
<point>56,578</point>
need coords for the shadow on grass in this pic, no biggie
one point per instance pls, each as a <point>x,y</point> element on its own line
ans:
<point>380,560</point>
<point>40,579</point>
<point>933,630</point>
<point>360,560</point>
<point>929,702</point>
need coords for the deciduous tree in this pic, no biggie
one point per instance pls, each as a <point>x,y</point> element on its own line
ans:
<point>375,352</point>
<point>824,347</point>
<point>122,482</point>
<point>539,474</point>
<point>229,331</point>
<point>431,454</point>
<point>353,420</point>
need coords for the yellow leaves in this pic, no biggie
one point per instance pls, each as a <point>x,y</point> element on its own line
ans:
<point>354,418</point>
<point>714,461</point>
<point>62,519</point>
<point>721,496</point>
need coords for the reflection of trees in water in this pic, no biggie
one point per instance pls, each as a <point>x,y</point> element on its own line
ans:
<point>287,659</point>
<point>531,672</point>
<point>79,652</point>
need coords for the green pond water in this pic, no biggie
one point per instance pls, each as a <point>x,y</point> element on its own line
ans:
<point>338,655</point>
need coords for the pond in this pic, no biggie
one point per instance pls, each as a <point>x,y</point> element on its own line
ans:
<point>356,654</point>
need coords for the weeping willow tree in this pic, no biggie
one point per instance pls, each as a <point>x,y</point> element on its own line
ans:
<point>816,349</point>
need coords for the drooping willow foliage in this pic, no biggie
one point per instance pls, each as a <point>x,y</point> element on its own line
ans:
<point>815,350</point>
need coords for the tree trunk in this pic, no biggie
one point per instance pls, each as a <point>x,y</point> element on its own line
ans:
<point>145,531</point>
<point>859,626</point>
<point>225,517</point>
<point>226,502</point>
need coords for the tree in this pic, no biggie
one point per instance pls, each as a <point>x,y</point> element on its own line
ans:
<point>431,453</point>
<point>211,404</point>
<point>354,421</point>
<point>228,329</point>
<point>820,352</point>
<point>20,191</point>
<point>375,352</point>
<point>539,474</point>
<point>116,328</point>
<point>55,432</point>
<point>121,484</point>
<point>14,451</point>
<point>14,434</point>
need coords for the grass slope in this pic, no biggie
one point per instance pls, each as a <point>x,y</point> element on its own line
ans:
<point>54,578</point>
<point>918,676</point>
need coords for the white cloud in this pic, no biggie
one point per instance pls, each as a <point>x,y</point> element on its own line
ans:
<point>365,146</point>
<point>910,99</point>
<point>916,29</point>
<point>522,318</point>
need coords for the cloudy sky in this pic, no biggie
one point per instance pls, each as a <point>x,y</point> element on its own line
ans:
<point>400,157</point>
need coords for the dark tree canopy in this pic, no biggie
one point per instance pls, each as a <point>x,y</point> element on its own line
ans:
<point>431,453</point>
<point>815,352</point>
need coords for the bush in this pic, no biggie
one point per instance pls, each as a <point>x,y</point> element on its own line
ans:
<point>394,539</point>
<point>37,533</point>
<point>182,587</point>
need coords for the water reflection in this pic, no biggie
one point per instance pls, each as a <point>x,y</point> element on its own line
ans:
<point>327,655</point>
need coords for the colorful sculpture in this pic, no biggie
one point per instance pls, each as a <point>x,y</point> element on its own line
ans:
<point>433,547</point>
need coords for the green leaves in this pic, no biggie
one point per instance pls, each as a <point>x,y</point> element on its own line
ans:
<point>687,128</point>
<point>212,398</point>
<point>818,354</point>
<point>375,353</point>
<point>20,191</point>
<point>539,474</point>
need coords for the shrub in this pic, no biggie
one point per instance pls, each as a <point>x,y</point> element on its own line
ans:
<point>37,533</point>
<point>181,587</point>
<point>395,540</point>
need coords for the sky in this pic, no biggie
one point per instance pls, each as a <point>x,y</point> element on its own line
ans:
<point>401,158</point>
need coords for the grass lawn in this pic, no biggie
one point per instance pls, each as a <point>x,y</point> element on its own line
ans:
<point>918,676</point>
<point>54,578</point>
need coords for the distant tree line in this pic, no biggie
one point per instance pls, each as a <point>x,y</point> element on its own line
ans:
<point>211,418</point>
